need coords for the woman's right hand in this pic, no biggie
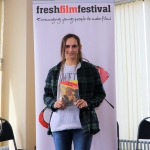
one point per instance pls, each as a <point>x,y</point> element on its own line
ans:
<point>60,104</point>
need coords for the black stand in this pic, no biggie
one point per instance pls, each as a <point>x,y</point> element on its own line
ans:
<point>109,103</point>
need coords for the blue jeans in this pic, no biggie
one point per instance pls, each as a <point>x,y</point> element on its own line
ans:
<point>63,139</point>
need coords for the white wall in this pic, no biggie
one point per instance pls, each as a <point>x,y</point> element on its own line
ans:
<point>18,72</point>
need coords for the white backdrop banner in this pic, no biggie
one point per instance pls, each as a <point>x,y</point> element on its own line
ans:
<point>94,24</point>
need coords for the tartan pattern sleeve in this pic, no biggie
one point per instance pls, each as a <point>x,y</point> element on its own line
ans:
<point>49,90</point>
<point>90,85</point>
<point>92,91</point>
<point>99,93</point>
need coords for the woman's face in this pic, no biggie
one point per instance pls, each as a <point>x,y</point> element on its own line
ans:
<point>71,49</point>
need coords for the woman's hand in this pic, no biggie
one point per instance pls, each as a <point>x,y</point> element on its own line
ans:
<point>81,103</point>
<point>60,104</point>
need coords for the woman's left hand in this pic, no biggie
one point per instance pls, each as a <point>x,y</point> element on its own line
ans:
<point>81,103</point>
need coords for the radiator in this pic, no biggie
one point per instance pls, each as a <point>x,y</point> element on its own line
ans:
<point>4,148</point>
<point>131,145</point>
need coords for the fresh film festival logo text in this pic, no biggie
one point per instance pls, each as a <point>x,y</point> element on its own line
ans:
<point>72,9</point>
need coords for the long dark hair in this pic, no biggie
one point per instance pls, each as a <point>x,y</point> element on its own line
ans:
<point>63,43</point>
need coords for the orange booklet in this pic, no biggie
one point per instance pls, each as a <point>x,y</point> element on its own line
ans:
<point>69,92</point>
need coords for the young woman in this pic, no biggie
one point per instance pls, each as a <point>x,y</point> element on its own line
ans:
<point>77,122</point>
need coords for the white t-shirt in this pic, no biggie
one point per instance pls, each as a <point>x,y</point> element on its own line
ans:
<point>68,118</point>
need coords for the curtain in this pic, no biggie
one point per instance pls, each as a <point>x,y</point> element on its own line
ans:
<point>132,38</point>
<point>118,2</point>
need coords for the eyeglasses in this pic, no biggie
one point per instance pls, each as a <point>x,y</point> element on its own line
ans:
<point>73,46</point>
